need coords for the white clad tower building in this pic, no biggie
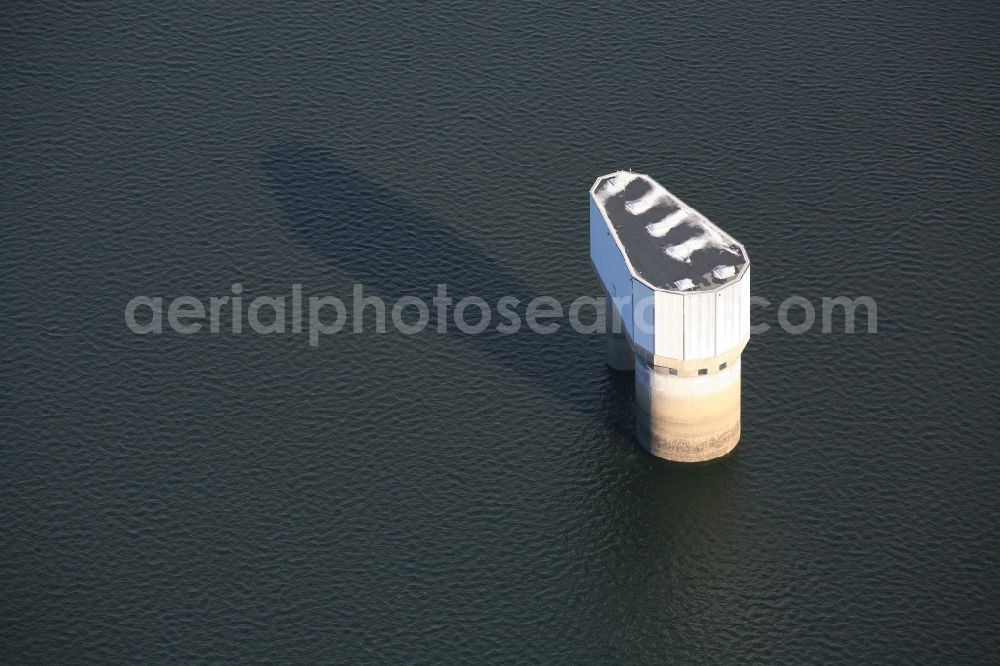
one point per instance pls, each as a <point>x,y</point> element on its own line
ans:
<point>680,289</point>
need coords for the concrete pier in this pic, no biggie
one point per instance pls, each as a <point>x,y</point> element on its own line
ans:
<point>620,355</point>
<point>687,419</point>
<point>681,289</point>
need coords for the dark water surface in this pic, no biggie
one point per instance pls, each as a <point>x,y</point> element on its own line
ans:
<point>441,498</point>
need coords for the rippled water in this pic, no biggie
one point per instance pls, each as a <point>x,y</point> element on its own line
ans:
<point>441,498</point>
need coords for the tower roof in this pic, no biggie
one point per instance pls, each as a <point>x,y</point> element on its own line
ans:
<point>666,243</point>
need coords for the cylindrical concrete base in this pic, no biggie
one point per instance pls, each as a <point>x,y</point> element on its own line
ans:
<point>687,419</point>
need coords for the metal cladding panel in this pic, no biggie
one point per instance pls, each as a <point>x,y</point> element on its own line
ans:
<point>644,316</point>
<point>728,317</point>
<point>745,304</point>
<point>610,266</point>
<point>699,325</point>
<point>670,325</point>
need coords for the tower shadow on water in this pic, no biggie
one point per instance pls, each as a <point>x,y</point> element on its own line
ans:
<point>376,238</point>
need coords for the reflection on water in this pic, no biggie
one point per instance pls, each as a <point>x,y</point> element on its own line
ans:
<point>678,539</point>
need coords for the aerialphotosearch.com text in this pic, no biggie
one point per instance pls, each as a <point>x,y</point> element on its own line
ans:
<point>317,316</point>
